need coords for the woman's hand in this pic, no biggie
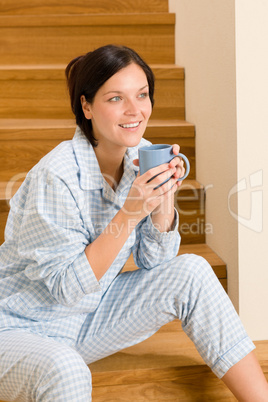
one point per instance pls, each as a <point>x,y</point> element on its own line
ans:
<point>154,187</point>
<point>178,163</point>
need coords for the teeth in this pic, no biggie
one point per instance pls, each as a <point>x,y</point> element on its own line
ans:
<point>132,125</point>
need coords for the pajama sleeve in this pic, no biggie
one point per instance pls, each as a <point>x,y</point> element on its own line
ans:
<point>51,238</point>
<point>153,247</point>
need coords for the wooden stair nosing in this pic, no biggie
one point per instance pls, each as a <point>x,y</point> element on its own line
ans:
<point>40,109</point>
<point>62,129</point>
<point>54,72</point>
<point>80,20</point>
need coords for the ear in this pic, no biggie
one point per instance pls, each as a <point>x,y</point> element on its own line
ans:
<point>85,107</point>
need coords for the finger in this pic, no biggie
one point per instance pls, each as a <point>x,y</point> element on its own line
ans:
<point>180,172</point>
<point>152,173</point>
<point>176,161</point>
<point>179,168</point>
<point>136,162</point>
<point>175,149</point>
<point>167,187</point>
<point>161,178</point>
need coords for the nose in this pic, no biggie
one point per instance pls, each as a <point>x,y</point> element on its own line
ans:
<point>131,107</point>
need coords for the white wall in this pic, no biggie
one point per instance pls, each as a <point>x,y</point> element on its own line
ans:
<point>252,136</point>
<point>205,47</point>
<point>223,47</point>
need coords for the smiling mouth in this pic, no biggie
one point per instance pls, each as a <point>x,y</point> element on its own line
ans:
<point>130,125</point>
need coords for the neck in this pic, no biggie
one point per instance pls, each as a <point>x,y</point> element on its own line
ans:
<point>111,165</point>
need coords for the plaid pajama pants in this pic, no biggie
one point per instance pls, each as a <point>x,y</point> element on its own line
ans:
<point>135,306</point>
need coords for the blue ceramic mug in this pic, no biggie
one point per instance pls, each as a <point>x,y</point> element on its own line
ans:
<point>157,154</point>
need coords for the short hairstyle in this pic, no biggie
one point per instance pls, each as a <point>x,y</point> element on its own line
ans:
<point>86,74</point>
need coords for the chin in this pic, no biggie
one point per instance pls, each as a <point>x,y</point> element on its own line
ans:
<point>134,143</point>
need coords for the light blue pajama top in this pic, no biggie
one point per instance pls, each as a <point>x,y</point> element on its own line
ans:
<point>47,285</point>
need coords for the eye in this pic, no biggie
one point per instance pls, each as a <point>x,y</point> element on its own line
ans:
<point>115,99</point>
<point>143,95</point>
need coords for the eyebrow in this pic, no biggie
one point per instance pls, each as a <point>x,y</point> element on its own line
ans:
<point>120,92</point>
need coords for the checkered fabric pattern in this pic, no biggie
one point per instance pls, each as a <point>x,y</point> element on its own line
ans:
<point>55,316</point>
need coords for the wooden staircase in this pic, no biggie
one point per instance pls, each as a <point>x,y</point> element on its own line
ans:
<point>38,38</point>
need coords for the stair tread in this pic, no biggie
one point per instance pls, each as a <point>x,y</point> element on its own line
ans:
<point>165,366</point>
<point>58,20</point>
<point>63,129</point>
<point>56,71</point>
<point>10,124</point>
<point>58,66</point>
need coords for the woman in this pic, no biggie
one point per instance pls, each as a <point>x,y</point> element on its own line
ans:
<point>73,223</point>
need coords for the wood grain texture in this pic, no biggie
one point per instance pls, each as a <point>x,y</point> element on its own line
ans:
<point>186,387</point>
<point>165,367</point>
<point>41,92</point>
<point>37,41</point>
<point>20,156</point>
<point>96,20</point>
<point>39,7</point>
<point>23,142</point>
<point>58,39</point>
<point>63,129</point>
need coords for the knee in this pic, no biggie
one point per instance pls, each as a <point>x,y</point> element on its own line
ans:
<point>65,373</point>
<point>69,364</point>
<point>192,265</point>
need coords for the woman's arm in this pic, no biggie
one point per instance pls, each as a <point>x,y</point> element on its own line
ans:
<point>144,197</point>
<point>102,252</point>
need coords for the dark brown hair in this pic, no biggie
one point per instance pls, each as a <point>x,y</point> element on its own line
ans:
<point>86,74</point>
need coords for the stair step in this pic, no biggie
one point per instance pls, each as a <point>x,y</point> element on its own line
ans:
<point>120,19</point>
<point>41,92</point>
<point>54,71</point>
<point>23,142</point>
<point>45,39</point>
<point>185,384</point>
<point>37,7</point>
<point>62,129</point>
<point>165,367</point>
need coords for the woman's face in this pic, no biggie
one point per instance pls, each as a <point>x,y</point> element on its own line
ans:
<point>121,108</point>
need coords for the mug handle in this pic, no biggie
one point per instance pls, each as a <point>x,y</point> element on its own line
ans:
<point>187,163</point>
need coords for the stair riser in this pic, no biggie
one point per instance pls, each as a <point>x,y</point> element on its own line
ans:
<point>81,6</point>
<point>53,45</point>
<point>191,209</point>
<point>33,98</point>
<point>20,156</point>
